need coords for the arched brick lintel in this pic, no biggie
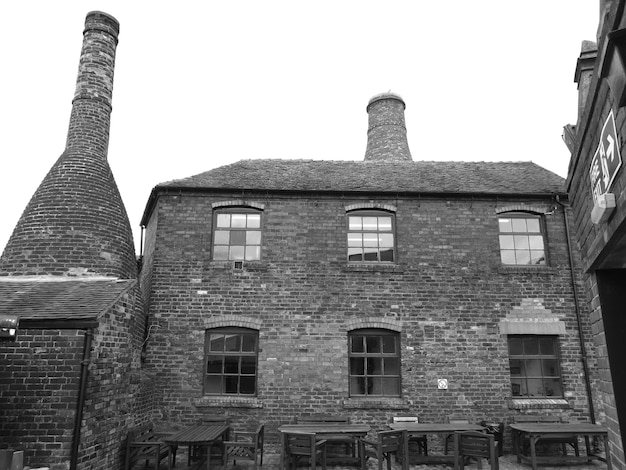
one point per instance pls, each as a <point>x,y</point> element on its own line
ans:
<point>238,202</point>
<point>382,323</point>
<point>371,205</point>
<point>522,208</point>
<point>233,321</point>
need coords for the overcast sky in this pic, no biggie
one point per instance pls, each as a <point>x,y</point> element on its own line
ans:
<point>201,84</point>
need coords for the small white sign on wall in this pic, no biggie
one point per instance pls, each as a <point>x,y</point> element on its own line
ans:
<point>442,384</point>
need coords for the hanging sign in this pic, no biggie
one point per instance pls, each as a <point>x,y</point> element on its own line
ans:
<point>606,161</point>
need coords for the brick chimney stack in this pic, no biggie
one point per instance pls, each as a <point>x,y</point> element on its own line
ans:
<point>76,224</point>
<point>386,133</point>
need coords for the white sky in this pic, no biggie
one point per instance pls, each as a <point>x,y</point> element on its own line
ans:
<point>200,84</point>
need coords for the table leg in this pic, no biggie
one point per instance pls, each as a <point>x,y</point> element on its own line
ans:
<point>607,453</point>
<point>208,456</point>
<point>533,453</point>
<point>516,445</point>
<point>282,451</point>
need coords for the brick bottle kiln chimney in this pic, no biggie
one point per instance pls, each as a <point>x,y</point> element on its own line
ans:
<point>386,133</point>
<point>76,224</point>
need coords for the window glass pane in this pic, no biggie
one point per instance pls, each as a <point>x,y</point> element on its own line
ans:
<point>533,225</point>
<point>231,364</point>
<point>507,256</point>
<point>233,343</point>
<point>247,385</point>
<point>220,252</point>
<point>535,242</point>
<point>506,242</point>
<point>354,223</point>
<point>553,388</point>
<point>373,344</point>
<point>230,383</point>
<point>238,220</point>
<point>391,386</point>
<point>248,365</point>
<point>370,255</point>
<point>516,387</point>
<point>505,224</point>
<point>384,224</point>
<point>222,237</point>
<point>370,239</point>
<point>374,365</point>
<point>214,365</point>
<point>546,346</point>
<point>537,257</point>
<point>355,239</point>
<point>385,240</point>
<point>355,254</point>
<point>515,365</point>
<point>248,343</point>
<point>519,225</point>
<point>550,367</point>
<point>374,386</point>
<point>370,223</point>
<point>386,255</point>
<point>237,237</point>
<point>535,388</point>
<point>236,253</point>
<point>521,242</point>
<point>389,344</point>
<point>223,220</point>
<point>531,346</point>
<point>254,220</point>
<point>253,253</point>
<point>357,365</point>
<point>522,257</point>
<point>357,385</point>
<point>533,367</point>
<point>253,237</point>
<point>356,343</point>
<point>213,384</point>
<point>216,342</point>
<point>515,346</point>
<point>392,366</point>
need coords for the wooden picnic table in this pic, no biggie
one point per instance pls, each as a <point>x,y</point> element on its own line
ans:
<point>535,431</point>
<point>443,429</point>
<point>203,435</point>
<point>328,431</point>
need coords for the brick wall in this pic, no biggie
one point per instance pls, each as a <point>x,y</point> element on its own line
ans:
<point>446,295</point>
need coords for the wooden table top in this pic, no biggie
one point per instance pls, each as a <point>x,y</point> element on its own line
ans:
<point>197,434</point>
<point>436,427</point>
<point>559,428</point>
<point>326,428</point>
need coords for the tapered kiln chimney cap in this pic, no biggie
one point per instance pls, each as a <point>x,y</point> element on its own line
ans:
<point>385,96</point>
<point>102,21</point>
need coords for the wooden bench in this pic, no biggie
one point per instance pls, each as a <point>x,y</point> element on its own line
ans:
<point>144,443</point>
<point>564,441</point>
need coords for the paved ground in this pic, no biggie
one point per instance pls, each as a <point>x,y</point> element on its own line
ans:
<point>272,462</point>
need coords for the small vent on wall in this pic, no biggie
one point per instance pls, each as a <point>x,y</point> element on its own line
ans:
<point>238,265</point>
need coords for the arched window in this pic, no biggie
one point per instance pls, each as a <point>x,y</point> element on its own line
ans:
<point>231,361</point>
<point>237,234</point>
<point>522,239</point>
<point>374,356</point>
<point>371,236</point>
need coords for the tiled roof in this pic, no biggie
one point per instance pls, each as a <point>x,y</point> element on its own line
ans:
<point>39,298</point>
<point>346,176</point>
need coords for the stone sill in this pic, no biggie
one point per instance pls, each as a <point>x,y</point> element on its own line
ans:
<point>228,402</point>
<point>376,403</point>
<point>538,403</point>
<point>526,270</point>
<point>373,267</point>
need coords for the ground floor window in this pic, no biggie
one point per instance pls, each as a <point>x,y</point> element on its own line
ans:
<point>231,361</point>
<point>374,357</point>
<point>534,363</point>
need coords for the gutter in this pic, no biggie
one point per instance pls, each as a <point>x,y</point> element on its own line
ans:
<point>581,339</point>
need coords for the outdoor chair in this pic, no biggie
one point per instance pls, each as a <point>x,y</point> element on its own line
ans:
<point>474,445</point>
<point>334,440</point>
<point>145,444</point>
<point>419,442</point>
<point>388,443</point>
<point>449,439</point>
<point>303,445</point>
<point>245,445</point>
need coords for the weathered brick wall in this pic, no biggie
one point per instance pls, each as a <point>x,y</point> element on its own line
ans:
<point>446,295</point>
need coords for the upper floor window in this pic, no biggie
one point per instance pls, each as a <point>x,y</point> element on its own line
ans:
<point>237,235</point>
<point>374,357</point>
<point>534,365</point>
<point>371,236</point>
<point>231,361</point>
<point>522,239</point>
